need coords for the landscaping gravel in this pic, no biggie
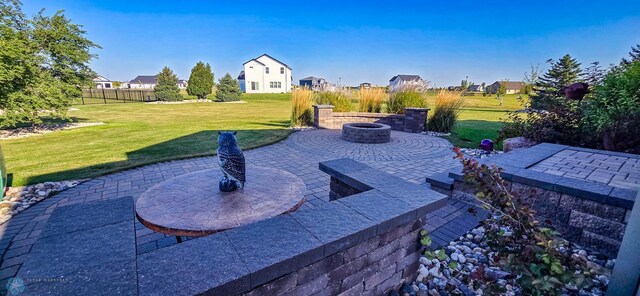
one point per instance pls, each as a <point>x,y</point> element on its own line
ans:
<point>18,199</point>
<point>42,129</point>
<point>471,253</point>
<point>479,153</point>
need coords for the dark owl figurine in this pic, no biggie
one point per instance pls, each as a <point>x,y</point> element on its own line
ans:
<point>231,162</point>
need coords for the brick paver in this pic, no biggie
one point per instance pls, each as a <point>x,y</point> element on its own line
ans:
<point>613,170</point>
<point>410,156</point>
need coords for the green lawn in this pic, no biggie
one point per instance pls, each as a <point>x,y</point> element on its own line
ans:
<point>480,119</point>
<point>136,134</point>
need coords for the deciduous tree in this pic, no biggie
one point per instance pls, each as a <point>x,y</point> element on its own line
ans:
<point>44,62</point>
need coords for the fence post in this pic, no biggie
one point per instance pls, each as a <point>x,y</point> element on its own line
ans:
<point>117,99</point>
<point>104,97</point>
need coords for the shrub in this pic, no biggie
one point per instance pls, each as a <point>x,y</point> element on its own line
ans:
<point>167,87</point>
<point>407,97</point>
<point>228,89</point>
<point>520,245</point>
<point>614,111</point>
<point>340,99</point>
<point>448,105</point>
<point>370,100</point>
<point>301,107</point>
<point>200,81</point>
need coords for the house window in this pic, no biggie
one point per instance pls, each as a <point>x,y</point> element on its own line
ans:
<point>281,70</point>
<point>107,85</point>
<point>255,85</point>
<point>266,69</point>
<point>275,84</point>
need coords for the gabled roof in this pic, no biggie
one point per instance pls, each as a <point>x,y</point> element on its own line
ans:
<point>517,85</point>
<point>241,75</point>
<point>150,79</point>
<point>100,78</point>
<point>312,78</point>
<point>253,60</point>
<point>405,77</point>
<point>264,54</point>
<point>145,79</point>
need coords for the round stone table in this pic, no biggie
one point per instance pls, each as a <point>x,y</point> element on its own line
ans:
<point>192,204</point>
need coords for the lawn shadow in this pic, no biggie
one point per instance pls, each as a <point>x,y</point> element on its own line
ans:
<point>202,143</point>
<point>278,123</point>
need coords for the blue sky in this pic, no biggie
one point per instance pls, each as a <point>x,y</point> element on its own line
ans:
<point>443,41</point>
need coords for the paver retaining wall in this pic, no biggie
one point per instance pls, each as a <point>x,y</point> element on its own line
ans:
<point>374,266</point>
<point>413,120</point>
<point>591,214</point>
<point>364,243</point>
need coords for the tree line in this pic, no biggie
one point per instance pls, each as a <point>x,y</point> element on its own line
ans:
<point>200,84</point>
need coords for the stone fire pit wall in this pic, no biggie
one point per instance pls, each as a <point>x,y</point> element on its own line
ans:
<point>593,215</point>
<point>363,242</point>
<point>413,120</point>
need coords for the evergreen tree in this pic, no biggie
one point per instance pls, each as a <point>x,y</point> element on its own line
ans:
<point>562,73</point>
<point>594,74</point>
<point>200,81</point>
<point>634,55</point>
<point>464,84</point>
<point>43,63</point>
<point>228,89</point>
<point>167,87</point>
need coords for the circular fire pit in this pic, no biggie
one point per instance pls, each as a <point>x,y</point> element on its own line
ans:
<point>368,133</point>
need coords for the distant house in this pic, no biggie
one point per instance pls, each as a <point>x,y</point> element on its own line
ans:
<point>475,88</point>
<point>400,81</point>
<point>365,85</point>
<point>150,81</point>
<point>316,83</point>
<point>241,81</point>
<point>512,87</point>
<point>102,82</point>
<point>265,74</point>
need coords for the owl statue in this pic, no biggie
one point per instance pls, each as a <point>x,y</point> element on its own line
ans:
<point>231,162</point>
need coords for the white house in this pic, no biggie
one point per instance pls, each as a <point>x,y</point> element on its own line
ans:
<point>265,74</point>
<point>102,82</point>
<point>399,81</point>
<point>149,82</point>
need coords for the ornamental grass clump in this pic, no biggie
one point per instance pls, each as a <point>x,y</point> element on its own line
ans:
<point>371,100</point>
<point>406,97</point>
<point>339,98</point>
<point>448,105</point>
<point>301,107</point>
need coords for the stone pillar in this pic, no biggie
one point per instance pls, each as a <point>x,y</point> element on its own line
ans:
<point>415,119</point>
<point>323,116</point>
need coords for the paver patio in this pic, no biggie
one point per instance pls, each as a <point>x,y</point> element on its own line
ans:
<point>410,156</point>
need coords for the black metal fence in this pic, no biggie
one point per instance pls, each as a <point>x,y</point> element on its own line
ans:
<point>115,95</point>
